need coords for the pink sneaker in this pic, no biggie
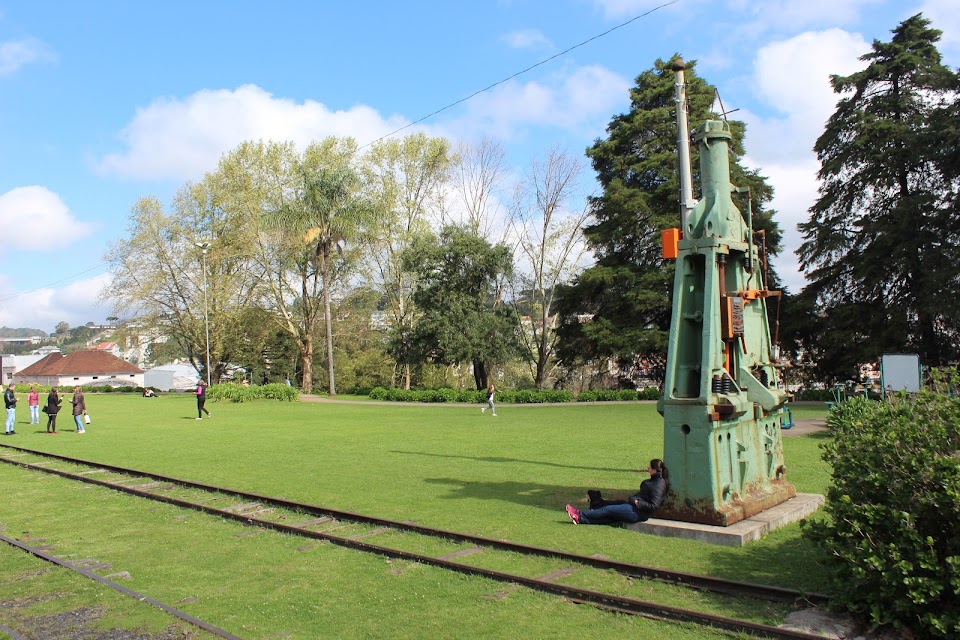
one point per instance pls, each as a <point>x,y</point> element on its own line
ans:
<point>574,514</point>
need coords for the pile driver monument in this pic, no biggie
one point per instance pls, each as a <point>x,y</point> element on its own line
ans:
<point>721,405</point>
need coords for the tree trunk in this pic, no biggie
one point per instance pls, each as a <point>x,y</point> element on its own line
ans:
<point>406,377</point>
<point>327,318</point>
<point>306,360</point>
<point>480,374</point>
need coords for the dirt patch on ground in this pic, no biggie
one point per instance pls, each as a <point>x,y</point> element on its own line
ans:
<point>77,624</point>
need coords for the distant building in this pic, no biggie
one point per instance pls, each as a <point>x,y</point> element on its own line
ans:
<point>29,340</point>
<point>11,365</point>
<point>178,377</point>
<point>87,367</point>
<point>109,347</point>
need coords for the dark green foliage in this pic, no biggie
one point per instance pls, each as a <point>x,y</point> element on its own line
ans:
<point>620,307</point>
<point>618,395</point>
<point>463,319</point>
<point>883,239</point>
<point>895,511</point>
<point>508,396</point>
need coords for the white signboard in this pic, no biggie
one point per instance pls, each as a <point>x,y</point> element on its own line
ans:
<point>900,372</point>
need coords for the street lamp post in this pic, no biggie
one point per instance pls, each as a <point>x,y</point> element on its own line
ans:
<point>203,246</point>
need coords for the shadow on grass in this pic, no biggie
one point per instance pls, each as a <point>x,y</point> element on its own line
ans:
<point>541,496</point>
<point>784,560</point>
<point>497,459</point>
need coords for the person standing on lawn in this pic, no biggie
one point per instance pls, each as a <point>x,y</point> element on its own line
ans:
<point>201,400</point>
<point>33,401</point>
<point>52,409</point>
<point>10,401</point>
<point>79,408</point>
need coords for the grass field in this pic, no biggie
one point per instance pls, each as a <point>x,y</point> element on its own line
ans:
<point>443,466</point>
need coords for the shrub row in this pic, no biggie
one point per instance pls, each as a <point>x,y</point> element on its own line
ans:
<point>241,393</point>
<point>894,506</point>
<point>614,395</point>
<point>508,396</point>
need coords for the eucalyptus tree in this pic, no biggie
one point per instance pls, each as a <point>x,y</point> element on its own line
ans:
<point>882,242</point>
<point>405,181</point>
<point>548,215</point>
<point>157,276</point>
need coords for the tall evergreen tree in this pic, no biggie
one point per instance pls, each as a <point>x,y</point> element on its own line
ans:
<point>883,239</point>
<point>620,307</point>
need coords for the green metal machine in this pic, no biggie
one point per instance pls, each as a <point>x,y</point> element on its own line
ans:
<point>721,405</point>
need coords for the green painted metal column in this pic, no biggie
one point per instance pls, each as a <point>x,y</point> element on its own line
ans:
<point>721,404</point>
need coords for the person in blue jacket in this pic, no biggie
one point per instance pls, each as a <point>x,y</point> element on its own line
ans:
<point>637,508</point>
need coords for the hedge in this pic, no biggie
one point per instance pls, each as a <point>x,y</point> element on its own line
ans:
<point>894,507</point>
<point>245,393</point>
<point>619,395</point>
<point>507,396</point>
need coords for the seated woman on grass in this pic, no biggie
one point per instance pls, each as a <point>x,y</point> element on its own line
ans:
<point>637,508</point>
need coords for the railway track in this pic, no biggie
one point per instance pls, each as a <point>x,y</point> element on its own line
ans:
<point>320,522</point>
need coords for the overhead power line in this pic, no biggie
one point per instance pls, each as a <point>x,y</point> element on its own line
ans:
<point>520,73</point>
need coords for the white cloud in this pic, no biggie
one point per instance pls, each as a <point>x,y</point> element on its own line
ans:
<point>75,304</point>
<point>17,53</point>
<point>803,14</point>
<point>578,100</point>
<point>183,139</point>
<point>36,218</point>
<point>527,39</point>
<point>792,77</point>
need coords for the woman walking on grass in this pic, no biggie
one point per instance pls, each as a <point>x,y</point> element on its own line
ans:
<point>490,391</point>
<point>201,400</point>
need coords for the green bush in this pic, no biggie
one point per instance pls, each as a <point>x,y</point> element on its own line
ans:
<point>649,393</point>
<point>618,395</point>
<point>241,393</point>
<point>894,506</point>
<point>507,396</point>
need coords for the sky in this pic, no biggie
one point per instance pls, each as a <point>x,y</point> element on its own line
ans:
<point>105,102</point>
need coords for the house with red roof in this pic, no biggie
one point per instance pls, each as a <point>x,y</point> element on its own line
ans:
<point>87,367</point>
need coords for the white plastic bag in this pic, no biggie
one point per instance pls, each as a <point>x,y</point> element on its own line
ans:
<point>86,418</point>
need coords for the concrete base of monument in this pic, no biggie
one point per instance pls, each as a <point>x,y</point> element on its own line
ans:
<point>738,534</point>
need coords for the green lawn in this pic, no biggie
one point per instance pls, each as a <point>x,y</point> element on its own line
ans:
<point>444,466</point>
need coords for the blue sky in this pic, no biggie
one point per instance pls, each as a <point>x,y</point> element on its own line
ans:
<point>105,102</point>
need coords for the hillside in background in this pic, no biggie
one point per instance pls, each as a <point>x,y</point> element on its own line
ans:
<point>7,332</point>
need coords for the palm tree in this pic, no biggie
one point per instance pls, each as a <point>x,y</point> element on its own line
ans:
<point>328,213</point>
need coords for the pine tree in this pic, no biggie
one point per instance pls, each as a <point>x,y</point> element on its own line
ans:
<point>883,239</point>
<point>627,294</point>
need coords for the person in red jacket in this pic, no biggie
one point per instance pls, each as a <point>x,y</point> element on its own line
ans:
<point>33,401</point>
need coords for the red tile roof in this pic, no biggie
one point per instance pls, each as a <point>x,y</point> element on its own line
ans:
<point>79,363</point>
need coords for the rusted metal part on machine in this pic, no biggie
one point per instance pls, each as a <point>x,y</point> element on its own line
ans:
<point>722,402</point>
